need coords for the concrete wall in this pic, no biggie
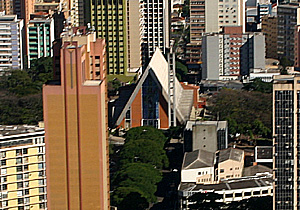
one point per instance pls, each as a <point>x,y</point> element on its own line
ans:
<point>232,169</point>
<point>194,175</point>
<point>134,35</point>
<point>211,16</point>
<point>259,51</point>
<point>210,55</point>
<point>205,137</point>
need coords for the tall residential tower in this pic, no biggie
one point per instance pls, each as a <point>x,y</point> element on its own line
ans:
<point>109,20</point>
<point>156,29</point>
<point>75,114</point>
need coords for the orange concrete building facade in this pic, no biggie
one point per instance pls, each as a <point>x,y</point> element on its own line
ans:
<point>75,114</point>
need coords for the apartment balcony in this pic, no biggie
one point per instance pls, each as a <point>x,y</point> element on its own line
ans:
<point>32,32</point>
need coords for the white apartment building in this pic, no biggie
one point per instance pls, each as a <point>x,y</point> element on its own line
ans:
<point>155,27</point>
<point>220,13</point>
<point>11,53</point>
<point>231,55</point>
<point>23,177</point>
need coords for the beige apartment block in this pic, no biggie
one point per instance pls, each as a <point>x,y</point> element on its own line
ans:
<point>23,178</point>
<point>231,163</point>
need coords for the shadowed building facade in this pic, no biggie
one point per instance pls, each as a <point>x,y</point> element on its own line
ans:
<point>75,113</point>
<point>286,134</point>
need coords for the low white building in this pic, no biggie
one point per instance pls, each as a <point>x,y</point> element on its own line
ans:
<point>231,190</point>
<point>198,167</point>
<point>204,167</point>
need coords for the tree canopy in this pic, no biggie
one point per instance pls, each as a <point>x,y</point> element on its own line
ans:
<point>258,85</point>
<point>21,100</point>
<point>247,112</point>
<point>181,71</point>
<point>136,178</point>
<point>141,159</point>
<point>151,153</point>
<point>146,132</point>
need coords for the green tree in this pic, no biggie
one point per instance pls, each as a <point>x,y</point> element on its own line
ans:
<point>181,71</point>
<point>136,177</point>
<point>113,86</point>
<point>19,83</point>
<point>284,62</point>
<point>133,201</point>
<point>242,109</point>
<point>21,93</point>
<point>146,132</point>
<point>41,70</point>
<point>144,151</point>
<point>258,85</point>
<point>20,110</point>
<point>120,193</point>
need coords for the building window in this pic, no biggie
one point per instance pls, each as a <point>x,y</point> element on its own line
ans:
<point>3,171</point>
<point>25,151</point>
<point>26,176</point>
<point>3,179</point>
<point>41,173</point>
<point>221,170</point>
<point>40,157</point>
<point>41,182</point>
<point>3,162</point>
<point>19,176</point>
<point>42,206</point>
<point>41,149</point>
<point>19,168</point>
<point>150,102</point>
<point>18,160</point>
<point>4,203</point>
<point>20,185</point>
<point>18,152</point>
<point>26,192</point>
<point>41,165</point>
<point>20,201</point>
<point>26,184</point>
<point>3,154</point>
<point>41,197</point>
<point>41,190</point>
<point>4,195</point>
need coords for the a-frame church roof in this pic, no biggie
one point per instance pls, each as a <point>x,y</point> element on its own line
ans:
<point>158,69</point>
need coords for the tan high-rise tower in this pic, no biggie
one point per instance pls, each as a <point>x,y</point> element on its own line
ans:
<point>75,114</point>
